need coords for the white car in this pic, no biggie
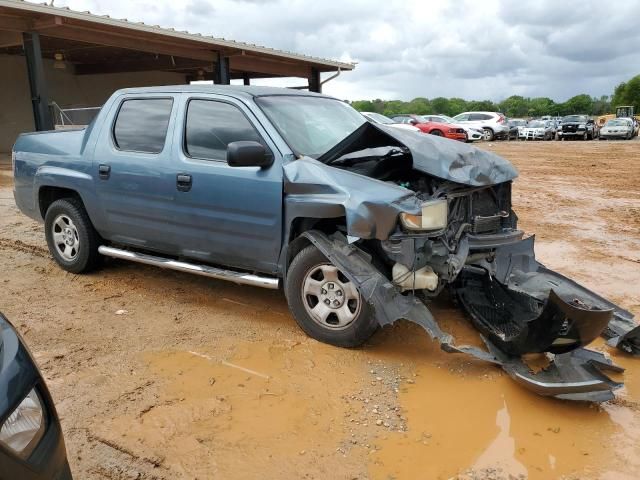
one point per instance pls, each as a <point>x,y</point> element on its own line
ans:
<point>537,130</point>
<point>379,118</point>
<point>617,128</point>
<point>493,124</point>
<point>473,134</point>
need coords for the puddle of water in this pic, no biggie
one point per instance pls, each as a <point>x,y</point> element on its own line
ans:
<point>465,416</point>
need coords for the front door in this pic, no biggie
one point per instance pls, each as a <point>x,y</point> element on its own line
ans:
<point>228,215</point>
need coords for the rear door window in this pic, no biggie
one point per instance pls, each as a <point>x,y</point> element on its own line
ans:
<point>141,124</point>
<point>479,117</point>
<point>212,125</point>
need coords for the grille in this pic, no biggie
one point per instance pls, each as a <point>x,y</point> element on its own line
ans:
<point>488,224</point>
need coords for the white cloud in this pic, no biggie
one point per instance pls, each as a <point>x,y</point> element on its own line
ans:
<point>409,48</point>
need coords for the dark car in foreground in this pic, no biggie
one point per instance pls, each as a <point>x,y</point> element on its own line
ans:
<point>362,224</point>
<point>31,442</point>
<point>577,127</point>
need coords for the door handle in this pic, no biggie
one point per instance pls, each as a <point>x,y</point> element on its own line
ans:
<point>183,182</point>
<point>104,171</point>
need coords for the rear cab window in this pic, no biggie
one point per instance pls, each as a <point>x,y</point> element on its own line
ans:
<point>141,124</point>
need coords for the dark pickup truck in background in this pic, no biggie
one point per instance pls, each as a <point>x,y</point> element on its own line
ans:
<point>362,224</point>
<point>577,127</point>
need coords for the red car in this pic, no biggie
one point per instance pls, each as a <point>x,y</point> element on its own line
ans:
<point>434,128</point>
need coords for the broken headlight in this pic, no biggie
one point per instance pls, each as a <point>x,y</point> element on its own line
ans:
<point>23,429</point>
<point>433,217</point>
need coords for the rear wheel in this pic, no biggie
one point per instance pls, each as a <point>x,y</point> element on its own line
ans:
<point>71,238</point>
<point>488,134</point>
<point>325,303</point>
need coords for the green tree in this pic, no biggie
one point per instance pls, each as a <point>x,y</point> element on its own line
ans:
<point>582,103</point>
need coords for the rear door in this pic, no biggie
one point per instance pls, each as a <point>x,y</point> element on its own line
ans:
<point>227,215</point>
<point>133,172</point>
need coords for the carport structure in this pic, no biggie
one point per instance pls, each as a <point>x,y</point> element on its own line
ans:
<point>56,55</point>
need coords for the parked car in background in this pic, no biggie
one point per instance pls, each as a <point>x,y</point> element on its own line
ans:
<point>31,442</point>
<point>493,124</point>
<point>473,134</point>
<point>515,124</point>
<point>577,127</point>
<point>382,120</point>
<point>537,130</point>
<point>622,128</point>
<point>452,132</point>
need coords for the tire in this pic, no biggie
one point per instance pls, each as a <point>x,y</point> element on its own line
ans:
<point>585,136</point>
<point>311,271</point>
<point>71,238</point>
<point>488,134</point>
<point>437,133</point>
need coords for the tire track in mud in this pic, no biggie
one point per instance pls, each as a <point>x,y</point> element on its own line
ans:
<point>115,462</point>
<point>20,246</point>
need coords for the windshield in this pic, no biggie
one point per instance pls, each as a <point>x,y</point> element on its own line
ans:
<point>617,123</point>
<point>378,118</point>
<point>310,125</point>
<point>517,123</point>
<point>574,118</point>
<point>536,124</point>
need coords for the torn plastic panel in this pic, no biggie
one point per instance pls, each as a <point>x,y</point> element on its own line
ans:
<point>519,323</point>
<point>436,156</point>
<point>573,376</point>
<point>576,375</point>
<point>516,268</point>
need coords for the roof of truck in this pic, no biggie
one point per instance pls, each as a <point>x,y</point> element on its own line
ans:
<point>231,90</point>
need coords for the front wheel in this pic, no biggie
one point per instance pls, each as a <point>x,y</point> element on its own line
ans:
<point>325,303</point>
<point>437,133</point>
<point>71,238</point>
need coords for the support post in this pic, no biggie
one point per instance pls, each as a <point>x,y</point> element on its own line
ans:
<point>221,72</point>
<point>314,81</point>
<point>37,82</point>
<point>246,79</point>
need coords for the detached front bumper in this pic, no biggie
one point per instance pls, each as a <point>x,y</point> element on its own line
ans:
<point>549,313</point>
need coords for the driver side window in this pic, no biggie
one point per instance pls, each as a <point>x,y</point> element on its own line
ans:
<point>212,125</point>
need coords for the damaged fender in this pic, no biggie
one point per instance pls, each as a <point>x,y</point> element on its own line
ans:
<point>576,375</point>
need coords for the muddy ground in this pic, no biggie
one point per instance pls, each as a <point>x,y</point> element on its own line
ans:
<point>165,375</point>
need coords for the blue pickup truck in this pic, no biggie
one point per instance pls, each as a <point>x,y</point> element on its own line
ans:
<point>361,224</point>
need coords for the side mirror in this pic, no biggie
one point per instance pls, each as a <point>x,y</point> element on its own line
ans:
<point>248,154</point>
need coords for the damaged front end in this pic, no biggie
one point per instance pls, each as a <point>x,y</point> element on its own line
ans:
<point>478,254</point>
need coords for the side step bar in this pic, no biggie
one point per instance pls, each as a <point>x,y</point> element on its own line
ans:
<point>240,278</point>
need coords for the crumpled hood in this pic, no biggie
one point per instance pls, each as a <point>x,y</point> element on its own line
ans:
<point>433,155</point>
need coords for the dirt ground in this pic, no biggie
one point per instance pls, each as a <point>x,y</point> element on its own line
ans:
<point>163,375</point>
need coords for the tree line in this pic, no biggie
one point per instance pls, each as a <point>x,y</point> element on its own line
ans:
<point>627,93</point>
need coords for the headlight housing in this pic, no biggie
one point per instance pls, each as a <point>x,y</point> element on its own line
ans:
<point>582,125</point>
<point>22,430</point>
<point>433,217</point>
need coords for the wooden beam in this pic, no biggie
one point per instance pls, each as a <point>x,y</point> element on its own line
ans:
<point>163,63</point>
<point>49,22</point>
<point>14,24</point>
<point>100,37</point>
<point>248,63</point>
<point>10,39</point>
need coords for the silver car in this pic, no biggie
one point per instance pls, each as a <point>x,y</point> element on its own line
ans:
<point>493,124</point>
<point>617,128</point>
<point>537,130</point>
